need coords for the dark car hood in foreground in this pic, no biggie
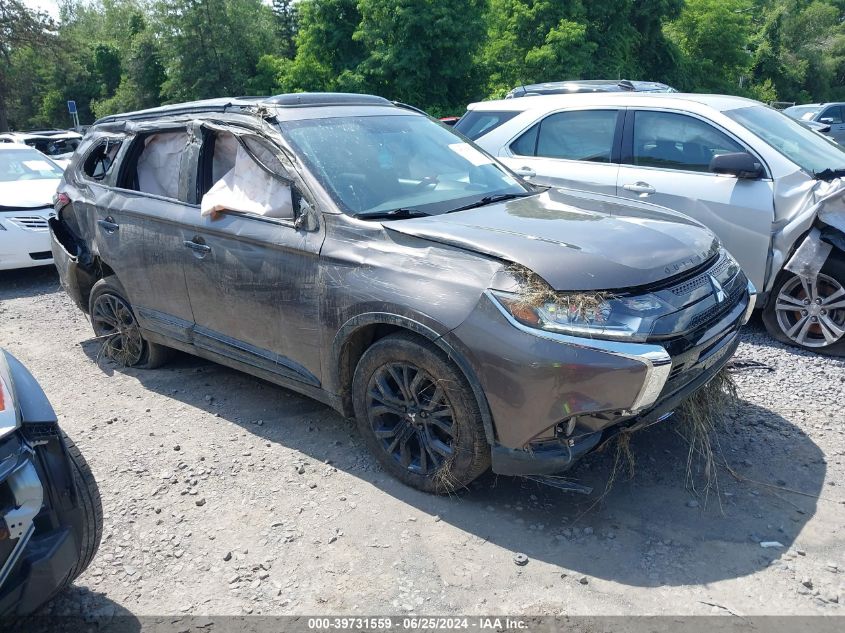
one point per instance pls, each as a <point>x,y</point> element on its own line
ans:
<point>575,240</point>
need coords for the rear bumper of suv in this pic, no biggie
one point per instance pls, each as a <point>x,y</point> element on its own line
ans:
<point>555,398</point>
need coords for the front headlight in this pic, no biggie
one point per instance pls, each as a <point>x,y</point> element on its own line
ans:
<point>587,314</point>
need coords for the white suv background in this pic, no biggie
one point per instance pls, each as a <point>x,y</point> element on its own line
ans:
<point>659,147</point>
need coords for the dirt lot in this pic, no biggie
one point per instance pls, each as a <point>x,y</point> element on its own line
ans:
<point>224,494</point>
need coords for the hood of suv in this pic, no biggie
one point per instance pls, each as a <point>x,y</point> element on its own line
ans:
<point>575,240</point>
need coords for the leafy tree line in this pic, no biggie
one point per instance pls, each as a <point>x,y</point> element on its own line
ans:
<point>118,55</point>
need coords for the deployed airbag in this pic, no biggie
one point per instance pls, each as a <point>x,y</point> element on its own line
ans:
<point>247,187</point>
<point>159,164</point>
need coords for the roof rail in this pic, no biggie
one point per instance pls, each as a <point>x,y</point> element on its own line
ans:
<point>405,106</point>
<point>295,100</point>
<point>318,99</point>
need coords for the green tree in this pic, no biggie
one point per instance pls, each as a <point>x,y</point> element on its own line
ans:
<point>799,48</point>
<point>712,36</point>
<point>211,47</point>
<point>530,41</point>
<point>420,51</point>
<point>107,67</point>
<point>142,79</point>
<point>286,15</point>
<point>656,58</point>
<point>327,55</point>
<point>19,28</point>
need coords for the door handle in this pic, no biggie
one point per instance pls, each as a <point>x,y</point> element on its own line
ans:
<point>108,225</point>
<point>525,172</point>
<point>197,246</point>
<point>639,187</point>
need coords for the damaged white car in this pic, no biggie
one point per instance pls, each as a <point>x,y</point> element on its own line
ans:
<point>769,188</point>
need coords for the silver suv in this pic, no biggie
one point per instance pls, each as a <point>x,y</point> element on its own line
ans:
<point>767,186</point>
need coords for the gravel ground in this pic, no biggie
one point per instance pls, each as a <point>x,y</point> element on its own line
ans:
<point>224,494</point>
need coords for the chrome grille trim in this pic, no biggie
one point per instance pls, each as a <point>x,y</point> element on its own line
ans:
<point>30,222</point>
<point>695,283</point>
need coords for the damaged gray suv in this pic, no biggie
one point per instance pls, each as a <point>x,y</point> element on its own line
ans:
<point>358,252</point>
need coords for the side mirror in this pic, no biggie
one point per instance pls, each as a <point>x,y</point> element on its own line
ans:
<point>739,164</point>
<point>305,217</point>
<point>828,120</point>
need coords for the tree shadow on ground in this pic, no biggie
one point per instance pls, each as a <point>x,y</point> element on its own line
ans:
<point>74,610</point>
<point>650,530</point>
<point>28,282</point>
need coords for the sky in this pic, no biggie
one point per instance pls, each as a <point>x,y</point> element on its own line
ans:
<point>50,6</point>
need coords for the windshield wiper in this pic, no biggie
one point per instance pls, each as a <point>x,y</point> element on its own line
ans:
<point>499,197</point>
<point>830,174</point>
<point>393,214</point>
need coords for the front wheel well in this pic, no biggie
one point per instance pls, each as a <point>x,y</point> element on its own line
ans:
<point>365,336</point>
<point>350,353</point>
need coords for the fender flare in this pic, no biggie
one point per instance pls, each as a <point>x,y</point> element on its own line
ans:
<point>348,329</point>
<point>31,400</point>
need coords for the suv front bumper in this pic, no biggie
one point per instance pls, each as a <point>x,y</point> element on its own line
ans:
<point>555,398</point>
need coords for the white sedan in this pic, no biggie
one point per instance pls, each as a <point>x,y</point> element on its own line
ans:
<point>28,180</point>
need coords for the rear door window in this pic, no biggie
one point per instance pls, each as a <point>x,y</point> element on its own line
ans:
<point>476,123</point>
<point>154,164</point>
<point>677,141</point>
<point>583,135</point>
<point>526,144</point>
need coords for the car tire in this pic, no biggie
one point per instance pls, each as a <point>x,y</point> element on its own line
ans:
<point>115,323</point>
<point>418,415</point>
<point>90,507</point>
<point>787,324</point>
<point>88,496</point>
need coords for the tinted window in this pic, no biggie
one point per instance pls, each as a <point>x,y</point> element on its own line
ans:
<point>834,113</point>
<point>101,159</point>
<point>476,123</point>
<point>526,145</point>
<point>54,147</point>
<point>579,135</point>
<point>677,141</point>
<point>805,113</point>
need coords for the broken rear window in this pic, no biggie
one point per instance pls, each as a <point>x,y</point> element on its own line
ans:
<point>99,162</point>
<point>154,164</point>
